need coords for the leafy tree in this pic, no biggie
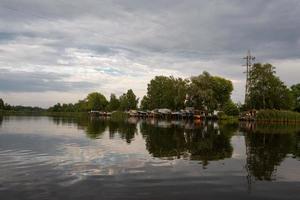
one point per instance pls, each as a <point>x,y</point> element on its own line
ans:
<point>145,103</point>
<point>209,92</point>
<point>1,104</point>
<point>223,89</point>
<point>96,101</point>
<point>230,108</point>
<point>56,108</point>
<point>8,106</point>
<point>81,106</point>
<point>114,103</point>
<point>128,100</point>
<point>166,92</point>
<point>267,91</point>
<point>296,94</point>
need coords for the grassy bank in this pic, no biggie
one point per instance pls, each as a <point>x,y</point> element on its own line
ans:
<point>278,116</point>
<point>222,117</point>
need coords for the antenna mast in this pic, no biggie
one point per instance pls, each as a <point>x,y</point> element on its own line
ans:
<point>249,58</point>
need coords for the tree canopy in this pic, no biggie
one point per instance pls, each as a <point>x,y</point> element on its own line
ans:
<point>209,92</point>
<point>267,91</point>
<point>128,101</point>
<point>165,92</point>
<point>296,94</point>
<point>114,103</point>
<point>96,101</point>
<point>1,104</point>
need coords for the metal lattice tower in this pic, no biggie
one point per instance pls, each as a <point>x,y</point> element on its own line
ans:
<point>248,65</point>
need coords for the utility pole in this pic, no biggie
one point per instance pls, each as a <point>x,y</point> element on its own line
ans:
<point>248,65</point>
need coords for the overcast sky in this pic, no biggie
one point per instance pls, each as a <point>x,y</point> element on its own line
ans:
<point>59,51</point>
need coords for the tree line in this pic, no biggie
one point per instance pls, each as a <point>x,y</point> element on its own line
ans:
<point>7,107</point>
<point>97,101</point>
<point>203,92</point>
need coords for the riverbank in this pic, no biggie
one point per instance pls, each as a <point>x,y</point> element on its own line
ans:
<point>282,116</point>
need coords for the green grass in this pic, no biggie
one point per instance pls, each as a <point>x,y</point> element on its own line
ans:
<point>278,116</point>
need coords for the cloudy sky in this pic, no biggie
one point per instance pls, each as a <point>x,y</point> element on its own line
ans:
<point>58,50</point>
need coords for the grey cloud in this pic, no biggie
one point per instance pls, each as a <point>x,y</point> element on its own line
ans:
<point>21,81</point>
<point>187,36</point>
<point>208,27</point>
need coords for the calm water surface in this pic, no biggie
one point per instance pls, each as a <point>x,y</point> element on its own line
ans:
<point>81,158</point>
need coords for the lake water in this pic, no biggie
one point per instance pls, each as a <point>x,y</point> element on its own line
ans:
<point>82,158</point>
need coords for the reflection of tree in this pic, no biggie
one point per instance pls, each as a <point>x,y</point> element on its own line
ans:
<point>163,142</point>
<point>203,143</point>
<point>296,146</point>
<point>125,130</point>
<point>1,120</point>
<point>64,120</point>
<point>95,127</point>
<point>214,145</point>
<point>266,150</point>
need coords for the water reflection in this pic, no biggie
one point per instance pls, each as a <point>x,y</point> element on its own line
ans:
<point>203,142</point>
<point>101,157</point>
<point>1,119</point>
<point>267,145</point>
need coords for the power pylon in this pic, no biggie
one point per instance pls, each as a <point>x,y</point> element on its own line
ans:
<point>249,58</point>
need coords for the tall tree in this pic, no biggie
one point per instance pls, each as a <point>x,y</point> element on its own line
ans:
<point>1,104</point>
<point>296,94</point>
<point>267,91</point>
<point>81,106</point>
<point>222,89</point>
<point>166,92</point>
<point>128,101</point>
<point>114,103</point>
<point>145,104</point>
<point>209,92</point>
<point>96,101</point>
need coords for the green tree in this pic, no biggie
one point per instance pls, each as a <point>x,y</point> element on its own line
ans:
<point>166,92</point>
<point>230,108</point>
<point>296,94</point>
<point>1,104</point>
<point>222,89</point>
<point>209,92</point>
<point>81,106</point>
<point>96,101</point>
<point>114,103</point>
<point>145,103</point>
<point>266,90</point>
<point>128,101</point>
